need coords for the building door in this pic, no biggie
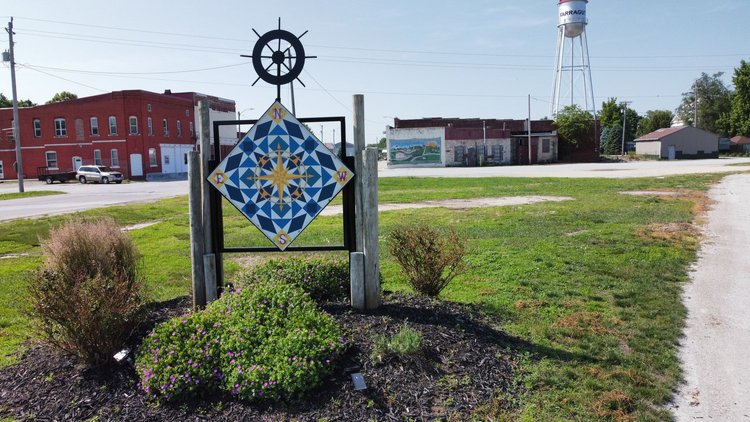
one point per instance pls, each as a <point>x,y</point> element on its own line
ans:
<point>497,154</point>
<point>458,154</point>
<point>168,153</point>
<point>671,152</point>
<point>136,165</point>
<point>2,172</point>
<point>77,162</point>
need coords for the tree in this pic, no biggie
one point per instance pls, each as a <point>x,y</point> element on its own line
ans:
<point>7,102</point>
<point>611,140</point>
<point>611,113</point>
<point>714,104</point>
<point>574,125</point>
<point>654,119</point>
<point>62,96</point>
<point>611,118</point>
<point>740,113</point>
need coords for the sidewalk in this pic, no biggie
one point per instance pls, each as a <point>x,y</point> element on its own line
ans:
<point>714,351</point>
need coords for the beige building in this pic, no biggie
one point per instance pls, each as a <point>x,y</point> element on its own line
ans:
<point>675,143</point>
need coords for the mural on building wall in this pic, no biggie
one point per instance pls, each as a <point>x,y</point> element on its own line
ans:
<point>416,151</point>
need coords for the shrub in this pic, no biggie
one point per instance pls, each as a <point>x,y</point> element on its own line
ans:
<point>324,279</point>
<point>430,258</point>
<point>266,341</point>
<point>407,341</point>
<point>88,294</point>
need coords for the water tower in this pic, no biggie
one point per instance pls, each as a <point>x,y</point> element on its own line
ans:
<point>572,58</point>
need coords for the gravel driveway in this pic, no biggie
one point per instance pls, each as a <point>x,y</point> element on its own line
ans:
<point>715,348</point>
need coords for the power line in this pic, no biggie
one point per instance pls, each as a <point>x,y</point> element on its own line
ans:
<point>93,72</point>
<point>60,77</point>
<point>383,50</point>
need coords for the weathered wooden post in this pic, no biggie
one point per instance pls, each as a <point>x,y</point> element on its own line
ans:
<point>366,221</point>
<point>196,230</point>
<point>370,232</point>
<point>208,258</point>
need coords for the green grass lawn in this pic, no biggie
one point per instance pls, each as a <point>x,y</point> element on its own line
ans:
<point>589,287</point>
<point>17,195</point>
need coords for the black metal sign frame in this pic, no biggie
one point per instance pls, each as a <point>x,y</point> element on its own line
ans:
<point>217,217</point>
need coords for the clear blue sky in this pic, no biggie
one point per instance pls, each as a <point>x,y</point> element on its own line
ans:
<point>410,59</point>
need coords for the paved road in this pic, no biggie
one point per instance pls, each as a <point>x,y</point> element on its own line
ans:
<point>81,197</point>
<point>715,348</point>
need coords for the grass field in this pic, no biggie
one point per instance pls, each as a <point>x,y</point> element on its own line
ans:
<point>589,287</point>
<point>18,195</point>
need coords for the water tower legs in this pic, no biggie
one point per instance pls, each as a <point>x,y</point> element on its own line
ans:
<point>577,61</point>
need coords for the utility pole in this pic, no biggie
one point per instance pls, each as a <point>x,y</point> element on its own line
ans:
<point>16,123</point>
<point>695,105</point>
<point>529,129</point>
<point>624,119</point>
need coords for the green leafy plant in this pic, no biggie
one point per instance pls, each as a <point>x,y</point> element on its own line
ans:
<point>429,257</point>
<point>265,341</point>
<point>407,341</point>
<point>324,279</point>
<point>88,294</point>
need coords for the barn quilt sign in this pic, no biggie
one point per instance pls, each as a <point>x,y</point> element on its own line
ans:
<point>280,176</point>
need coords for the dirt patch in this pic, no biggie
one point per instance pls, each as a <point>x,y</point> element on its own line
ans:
<point>140,226</point>
<point>466,365</point>
<point>460,204</point>
<point>672,232</point>
<point>701,202</point>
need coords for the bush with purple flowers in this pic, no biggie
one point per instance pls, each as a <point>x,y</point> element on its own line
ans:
<point>324,279</point>
<point>268,341</point>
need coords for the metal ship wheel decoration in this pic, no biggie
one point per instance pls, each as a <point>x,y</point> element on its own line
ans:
<point>278,58</point>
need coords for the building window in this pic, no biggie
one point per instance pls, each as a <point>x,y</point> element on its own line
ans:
<point>152,157</point>
<point>192,129</point>
<point>115,160</point>
<point>112,125</point>
<point>179,128</point>
<point>94,126</point>
<point>150,124</point>
<point>148,108</point>
<point>37,128</point>
<point>165,125</point>
<point>51,157</point>
<point>133,125</point>
<point>545,145</point>
<point>97,157</point>
<point>60,128</point>
<point>187,112</point>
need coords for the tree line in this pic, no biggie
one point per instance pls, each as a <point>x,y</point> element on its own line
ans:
<point>57,98</point>
<point>709,105</point>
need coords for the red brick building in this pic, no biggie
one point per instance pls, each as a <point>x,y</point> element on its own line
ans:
<point>139,133</point>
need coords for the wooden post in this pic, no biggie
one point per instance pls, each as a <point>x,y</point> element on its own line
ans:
<point>205,139</point>
<point>370,232</point>
<point>196,230</point>
<point>359,148</point>
<point>356,271</point>
<point>357,259</point>
<point>208,247</point>
<point>209,268</point>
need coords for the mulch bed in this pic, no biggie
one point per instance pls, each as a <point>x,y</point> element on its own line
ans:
<point>467,368</point>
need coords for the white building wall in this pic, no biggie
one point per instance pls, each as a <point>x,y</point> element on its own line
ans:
<point>650,148</point>
<point>227,134</point>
